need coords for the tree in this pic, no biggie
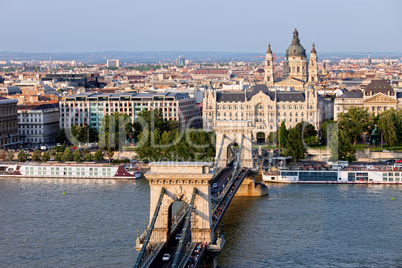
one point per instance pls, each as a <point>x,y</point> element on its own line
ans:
<point>340,146</point>
<point>77,156</point>
<point>283,135</point>
<point>45,156</point>
<point>324,130</point>
<point>109,153</point>
<point>67,155</point>
<point>98,155</point>
<point>355,122</point>
<point>61,136</point>
<point>112,133</point>
<point>390,125</point>
<point>88,157</point>
<point>36,156</point>
<point>76,131</point>
<point>3,154</point>
<point>295,147</point>
<point>10,155</point>
<point>22,156</point>
<point>58,157</point>
<point>85,152</point>
<point>273,138</point>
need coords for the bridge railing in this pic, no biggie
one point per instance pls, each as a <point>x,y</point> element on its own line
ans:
<point>143,253</point>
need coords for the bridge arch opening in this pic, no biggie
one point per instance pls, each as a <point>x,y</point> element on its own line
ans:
<point>175,211</point>
<point>232,150</point>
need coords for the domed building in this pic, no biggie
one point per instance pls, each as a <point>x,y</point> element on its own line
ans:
<point>298,70</point>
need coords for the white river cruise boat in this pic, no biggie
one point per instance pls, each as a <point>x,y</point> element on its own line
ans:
<point>69,170</point>
<point>351,175</point>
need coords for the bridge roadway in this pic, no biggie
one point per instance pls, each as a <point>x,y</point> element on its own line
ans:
<point>218,211</point>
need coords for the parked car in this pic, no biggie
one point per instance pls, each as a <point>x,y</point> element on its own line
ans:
<point>166,257</point>
<point>178,237</point>
<point>215,185</point>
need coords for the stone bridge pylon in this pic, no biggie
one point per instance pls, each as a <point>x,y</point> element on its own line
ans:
<point>234,132</point>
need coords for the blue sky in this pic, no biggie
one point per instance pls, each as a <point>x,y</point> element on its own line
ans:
<point>189,25</point>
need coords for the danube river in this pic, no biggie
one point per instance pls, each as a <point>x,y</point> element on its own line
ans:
<point>94,225</point>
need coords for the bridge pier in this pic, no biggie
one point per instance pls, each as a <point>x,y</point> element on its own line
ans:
<point>251,188</point>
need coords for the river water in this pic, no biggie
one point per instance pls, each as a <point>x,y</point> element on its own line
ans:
<point>94,225</point>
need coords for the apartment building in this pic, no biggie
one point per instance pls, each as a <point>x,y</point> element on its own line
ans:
<point>38,123</point>
<point>89,108</point>
<point>8,123</point>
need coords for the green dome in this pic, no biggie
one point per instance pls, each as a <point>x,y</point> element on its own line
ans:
<point>296,49</point>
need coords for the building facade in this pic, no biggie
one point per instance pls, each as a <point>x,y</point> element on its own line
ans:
<point>378,97</point>
<point>90,108</point>
<point>8,123</point>
<point>38,123</point>
<point>265,107</point>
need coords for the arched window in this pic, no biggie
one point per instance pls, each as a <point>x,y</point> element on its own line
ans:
<point>268,63</point>
<point>298,69</point>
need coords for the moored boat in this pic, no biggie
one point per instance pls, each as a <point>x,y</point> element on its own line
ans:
<point>68,170</point>
<point>345,175</point>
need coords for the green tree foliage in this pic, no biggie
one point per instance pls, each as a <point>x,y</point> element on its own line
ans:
<point>114,130</point>
<point>77,156</point>
<point>355,122</point>
<point>295,147</point>
<point>10,155</point>
<point>110,154</point>
<point>273,138</point>
<point>85,152</point>
<point>60,149</point>
<point>309,136</point>
<point>324,130</point>
<point>58,157</point>
<point>61,136</point>
<point>283,135</point>
<point>88,157</point>
<point>22,156</point>
<point>346,150</point>
<point>67,155</point>
<point>390,125</point>
<point>84,134</point>
<point>98,156</point>
<point>36,156</point>
<point>340,146</point>
<point>45,156</point>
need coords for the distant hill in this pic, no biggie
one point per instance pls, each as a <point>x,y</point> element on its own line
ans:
<point>171,56</point>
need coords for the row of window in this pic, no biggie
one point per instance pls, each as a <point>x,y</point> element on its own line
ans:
<point>261,107</point>
<point>67,169</point>
<point>103,174</point>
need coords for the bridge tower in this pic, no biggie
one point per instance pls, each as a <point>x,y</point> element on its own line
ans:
<point>232,131</point>
<point>179,179</point>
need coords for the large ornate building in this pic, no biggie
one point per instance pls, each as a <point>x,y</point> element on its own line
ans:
<point>378,97</point>
<point>274,102</point>
<point>298,70</point>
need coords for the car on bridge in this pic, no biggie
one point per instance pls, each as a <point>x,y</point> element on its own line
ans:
<point>166,257</point>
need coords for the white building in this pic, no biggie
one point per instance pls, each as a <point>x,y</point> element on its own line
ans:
<point>113,63</point>
<point>38,123</point>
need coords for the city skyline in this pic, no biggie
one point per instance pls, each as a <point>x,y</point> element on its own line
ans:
<point>99,26</point>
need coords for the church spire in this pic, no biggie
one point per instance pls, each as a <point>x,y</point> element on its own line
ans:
<point>313,49</point>
<point>295,39</point>
<point>269,48</point>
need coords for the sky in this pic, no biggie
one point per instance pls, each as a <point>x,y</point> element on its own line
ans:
<point>190,25</point>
